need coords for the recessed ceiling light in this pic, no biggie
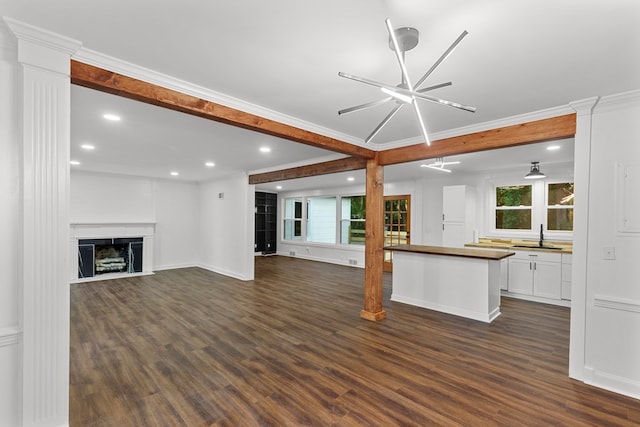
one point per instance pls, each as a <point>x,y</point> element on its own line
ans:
<point>209,164</point>
<point>112,117</point>
<point>174,173</point>
<point>351,178</point>
<point>74,162</point>
<point>278,187</point>
<point>265,149</point>
<point>88,147</point>
<point>553,147</point>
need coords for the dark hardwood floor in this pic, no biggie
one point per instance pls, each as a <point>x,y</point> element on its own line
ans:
<point>194,348</point>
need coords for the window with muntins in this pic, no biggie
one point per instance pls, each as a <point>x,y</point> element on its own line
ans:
<point>514,205</point>
<point>352,220</point>
<point>293,219</point>
<point>560,206</point>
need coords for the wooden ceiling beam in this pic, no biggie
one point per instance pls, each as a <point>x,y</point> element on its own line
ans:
<point>509,136</point>
<point>128,87</point>
<point>324,168</point>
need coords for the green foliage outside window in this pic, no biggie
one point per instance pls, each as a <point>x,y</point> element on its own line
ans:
<point>513,207</point>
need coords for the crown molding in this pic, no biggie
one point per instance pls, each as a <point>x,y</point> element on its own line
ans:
<point>8,43</point>
<point>44,38</point>
<point>618,101</point>
<point>128,69</point>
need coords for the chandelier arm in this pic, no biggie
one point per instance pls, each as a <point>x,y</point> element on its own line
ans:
<point>364,106</point>
<point>423,128</point>
<point>442,58</point>
<point>438,100</point>
<point>399,53</point>
<point>408,92</point>
<point>383,122</point>
<point>434,87</point>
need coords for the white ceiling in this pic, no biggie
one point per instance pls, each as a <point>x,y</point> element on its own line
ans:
<point>284,56</point>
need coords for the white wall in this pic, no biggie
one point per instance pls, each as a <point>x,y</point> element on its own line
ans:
<point>10,225</point>
<point>101,198</point>
<point>612,338</point>
<point>172,205</point>
<point>227,227</point>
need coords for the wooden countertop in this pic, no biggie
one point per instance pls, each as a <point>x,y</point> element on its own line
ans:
<point>459,252</point>
<point>523,245</point>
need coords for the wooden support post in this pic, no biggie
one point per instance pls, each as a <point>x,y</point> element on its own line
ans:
<point>374,242</point>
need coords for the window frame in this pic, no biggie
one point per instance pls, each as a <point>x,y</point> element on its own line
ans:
<point>529,208</point>
<point>548,207</point>
<point>539,200</point>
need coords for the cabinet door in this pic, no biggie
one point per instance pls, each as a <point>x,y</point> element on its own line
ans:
<point>521,276</point>
<point>453,235</point>
<point>454,203</point>
<point>547,279</point>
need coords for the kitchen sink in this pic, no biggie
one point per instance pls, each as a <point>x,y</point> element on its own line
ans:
<point>536,247</point>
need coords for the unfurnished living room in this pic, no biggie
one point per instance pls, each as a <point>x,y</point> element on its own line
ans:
<point>390,212</point>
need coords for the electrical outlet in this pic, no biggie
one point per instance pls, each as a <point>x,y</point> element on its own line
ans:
<point>292,253</point>
<point>609,252</point>
<point>353,262</point>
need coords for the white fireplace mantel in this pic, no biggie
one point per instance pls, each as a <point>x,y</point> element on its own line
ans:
<point>111,230</point>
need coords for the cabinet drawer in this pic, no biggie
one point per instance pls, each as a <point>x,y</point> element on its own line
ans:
<point>537,256</point>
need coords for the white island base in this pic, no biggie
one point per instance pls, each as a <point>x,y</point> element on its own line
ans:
<point>462,282</point>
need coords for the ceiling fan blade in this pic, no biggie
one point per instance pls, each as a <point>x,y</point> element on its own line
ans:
<point>442,58</point>
<point>383,122</point>
<point>364,106</point>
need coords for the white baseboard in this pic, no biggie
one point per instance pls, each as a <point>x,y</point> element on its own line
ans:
<point>224,272</point>
<point>320,259</point>
<point>611,382</point>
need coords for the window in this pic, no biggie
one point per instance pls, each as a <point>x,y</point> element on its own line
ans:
<point>352,220</point>
<point>514,207</point>
<point>560,206</point>
<point>321,219</point>
<point>293,219</point>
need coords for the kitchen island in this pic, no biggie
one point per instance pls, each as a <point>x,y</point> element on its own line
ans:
<point>459,281</point>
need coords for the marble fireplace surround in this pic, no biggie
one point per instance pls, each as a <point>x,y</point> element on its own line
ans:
<point>78,231</point>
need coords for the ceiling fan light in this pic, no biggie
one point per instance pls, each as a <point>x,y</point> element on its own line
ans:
<point>535,172</point>
<point>397,95</point>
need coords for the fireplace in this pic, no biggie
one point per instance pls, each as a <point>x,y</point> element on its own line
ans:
<point>100,251</point>
<point>101,256</point>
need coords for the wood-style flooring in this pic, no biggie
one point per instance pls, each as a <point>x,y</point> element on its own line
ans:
<point>189,347</point>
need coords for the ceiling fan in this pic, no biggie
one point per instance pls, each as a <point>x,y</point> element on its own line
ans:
<point>406,93</point>
<point>439,165</point>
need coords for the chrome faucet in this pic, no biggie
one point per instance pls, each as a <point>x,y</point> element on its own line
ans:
<point>541,236</point>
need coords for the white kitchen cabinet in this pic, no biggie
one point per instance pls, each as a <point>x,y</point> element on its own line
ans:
<point>536,273</point>
<point>458,215</point>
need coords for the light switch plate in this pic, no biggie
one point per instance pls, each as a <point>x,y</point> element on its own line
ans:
<point>608,252</point>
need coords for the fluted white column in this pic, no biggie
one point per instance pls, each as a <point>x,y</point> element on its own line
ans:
<point>45,60</point>
<point>582,173</point>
